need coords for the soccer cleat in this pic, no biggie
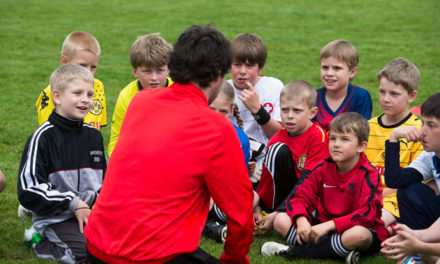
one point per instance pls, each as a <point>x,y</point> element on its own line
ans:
<point>353,257</point>
<point>215,230</point>
<point>31,237</point>
<point>272,249</point>
<point>23,212</point>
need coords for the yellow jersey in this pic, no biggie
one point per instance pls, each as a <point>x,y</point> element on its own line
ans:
<point>122,103</point>
<point>375,151</point>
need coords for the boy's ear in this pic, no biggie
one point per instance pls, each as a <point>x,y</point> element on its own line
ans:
<point>56,97</point>
<point>362,146</point>
<point>63,59</point>
<point>133,70</point>
<point>313,112</point>
<point>412,96</point>
<point>353,72</point>
<point>260,70</point>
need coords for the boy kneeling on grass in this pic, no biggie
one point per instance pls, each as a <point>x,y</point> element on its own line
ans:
<point>335,212</point>
<point>62,168</point>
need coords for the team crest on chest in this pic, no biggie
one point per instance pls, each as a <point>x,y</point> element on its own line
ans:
<point>96,107</point>
<point>302,161</point>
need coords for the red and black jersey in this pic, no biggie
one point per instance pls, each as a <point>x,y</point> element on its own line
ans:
<point>308,150</point>
<point>349,199</point>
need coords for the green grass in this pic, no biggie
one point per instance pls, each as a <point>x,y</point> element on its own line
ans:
<point>31,34</point>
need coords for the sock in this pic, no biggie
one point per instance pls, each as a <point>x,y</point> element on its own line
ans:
<point>329,246</point>
<point>291,236</point>
<point>217,214</point>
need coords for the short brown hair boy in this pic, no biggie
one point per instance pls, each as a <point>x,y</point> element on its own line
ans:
<point>249,48</point>
<point>302,90</point>
<point>403,72</point>
<point>351,122</point>
<point>343,50</point>
<point>151,51</point>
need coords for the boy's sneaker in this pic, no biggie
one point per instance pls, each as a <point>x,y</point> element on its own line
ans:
<point>353,257</point>
<point>272,249</point>
<point>215,230</point>
<point>31,237</point>
<point>413,260</point>
<point>23,212</point>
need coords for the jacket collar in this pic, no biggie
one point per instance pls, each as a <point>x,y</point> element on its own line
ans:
<point>63,122</point>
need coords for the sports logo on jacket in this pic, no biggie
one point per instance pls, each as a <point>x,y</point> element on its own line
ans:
<point>96,154</point>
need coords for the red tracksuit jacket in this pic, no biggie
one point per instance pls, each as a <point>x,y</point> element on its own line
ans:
<point>352,198</point>
<point>173,153</point>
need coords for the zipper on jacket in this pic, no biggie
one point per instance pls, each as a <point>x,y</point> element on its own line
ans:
<point>78,178</point>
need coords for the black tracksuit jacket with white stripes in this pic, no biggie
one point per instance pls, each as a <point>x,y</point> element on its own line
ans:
<point>63,161</point>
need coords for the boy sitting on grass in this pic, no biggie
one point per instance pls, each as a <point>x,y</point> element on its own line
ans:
<point>336,211</point>
<point>419,203</point>
<point>78,48</point>
<point>149,57</point>
<point>398,83</point>
<point>256,96</point>
<point>339,61</point>
<point>292,152</point>
<point>62,168</point>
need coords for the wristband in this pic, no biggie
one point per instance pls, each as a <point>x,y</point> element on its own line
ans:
<point>262,116</point>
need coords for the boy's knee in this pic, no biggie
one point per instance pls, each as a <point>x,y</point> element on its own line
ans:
<point>357,237</point>
<point>282,223</point>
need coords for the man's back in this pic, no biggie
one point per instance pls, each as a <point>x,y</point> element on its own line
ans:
<point>184,146</point>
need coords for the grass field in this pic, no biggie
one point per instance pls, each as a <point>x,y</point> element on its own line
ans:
<point>31,34</point>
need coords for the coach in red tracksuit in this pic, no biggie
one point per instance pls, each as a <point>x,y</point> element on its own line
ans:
<point>173,153</point>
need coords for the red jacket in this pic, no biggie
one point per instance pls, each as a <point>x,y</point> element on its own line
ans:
<point>308,150</point>
<point>173,153</point>
<point>349,199</point>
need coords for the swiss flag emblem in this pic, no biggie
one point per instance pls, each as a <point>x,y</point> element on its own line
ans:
<point>268,107</point>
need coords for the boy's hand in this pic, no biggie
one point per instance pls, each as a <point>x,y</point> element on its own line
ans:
<point>303,230</point>
<point>250,98</point>
<point>401,246</point>
<point>409,133</point>
<point>268,222</point>
<point>258,218</point>
<point>320,230</point>
<point>82,213</point>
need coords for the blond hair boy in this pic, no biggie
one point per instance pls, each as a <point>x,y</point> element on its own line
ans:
<point>339,60</point>
<point>335,213</point>
<point>62,169</point>
<point>292,152</point>
<point>78,48</point>
<point>149,57</point>
<point>398,82</point>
